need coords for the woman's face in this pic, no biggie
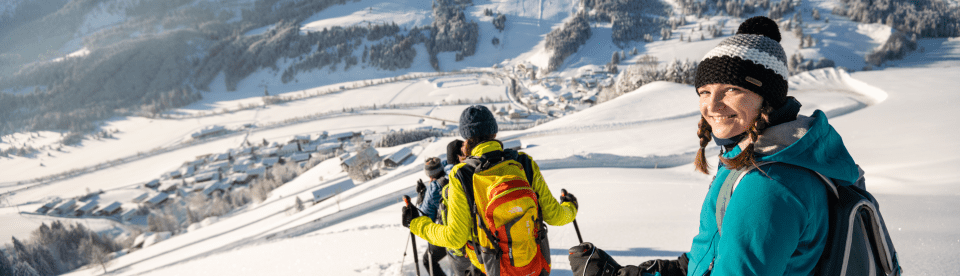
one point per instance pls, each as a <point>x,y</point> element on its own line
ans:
<point>729,109</point>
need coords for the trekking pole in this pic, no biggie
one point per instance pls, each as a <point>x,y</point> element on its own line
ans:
<point>413,240</point>
<point>404,259</point>
<point>563,192</point>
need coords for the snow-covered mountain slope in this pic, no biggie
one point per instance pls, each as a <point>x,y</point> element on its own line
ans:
<point>628,160</point>
<point>635,212</point>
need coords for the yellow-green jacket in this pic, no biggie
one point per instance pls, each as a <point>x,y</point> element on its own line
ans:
<point>457,228</point>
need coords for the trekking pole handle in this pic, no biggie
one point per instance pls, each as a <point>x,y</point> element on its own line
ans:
<point>563,192</point>
<point>413,241</point>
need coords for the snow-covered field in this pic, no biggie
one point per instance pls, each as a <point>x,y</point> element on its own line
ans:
<point>627,160</point>
<point>633,209</point>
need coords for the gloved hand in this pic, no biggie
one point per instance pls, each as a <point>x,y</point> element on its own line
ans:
<point>421,191</point>
<point>408,215</point>
<point>568,197</point>
<point>630,270</point>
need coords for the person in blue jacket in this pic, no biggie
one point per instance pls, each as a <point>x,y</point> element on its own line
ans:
<point>776,221</point>
<point>431,204</point>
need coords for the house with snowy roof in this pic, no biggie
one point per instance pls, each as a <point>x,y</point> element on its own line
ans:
<point>269,151</point>
<point>256,172</point>
<point>342,137</point>
<point>157,200</point>
<point>329,147</point>
<point>269,162</point>
<point>209,131</point>
<point>86,209</point>
<point>48,206</point>
<point>111,209</point>
<point>397,158</point>
<point>153,184</point>
<point>222,165</point>
<point>222,157</point>
<point>170,186</point>
<point>216,189</point>
<point>66,206</point>
<point>288,149</point>
<point>127,215</point>
<point>206,176</point>
<point>141,197</point>
<point>302,138</point>
<point>298,157</point>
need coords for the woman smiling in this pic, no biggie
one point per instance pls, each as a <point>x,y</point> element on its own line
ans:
<point>776,223</point>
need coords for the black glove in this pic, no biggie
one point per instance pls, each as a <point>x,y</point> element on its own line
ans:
<point>568,197</point>
<point>421,191</point>
<point>630,270</point>
<point>676,267</point>
<point>408,215</point>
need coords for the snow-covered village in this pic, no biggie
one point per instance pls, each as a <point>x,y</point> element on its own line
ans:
<point>281,137</point>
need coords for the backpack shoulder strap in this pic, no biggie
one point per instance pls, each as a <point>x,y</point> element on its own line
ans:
<point>465,176</point>
<point>733,179</point>
<point>726,191</point>
<point>524,161</point>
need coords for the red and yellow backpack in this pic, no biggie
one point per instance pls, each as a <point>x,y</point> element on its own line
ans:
<point>509,236</point>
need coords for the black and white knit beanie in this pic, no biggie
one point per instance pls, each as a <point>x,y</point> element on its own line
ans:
<point>476,121</point>
<point>752,59</point>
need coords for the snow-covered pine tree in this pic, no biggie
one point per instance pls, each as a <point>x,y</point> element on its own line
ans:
<point>6,266</point>
<point>24,269</point>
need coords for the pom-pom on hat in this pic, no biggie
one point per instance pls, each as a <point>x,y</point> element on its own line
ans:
<point>752,59</point>
<point>476,121</point>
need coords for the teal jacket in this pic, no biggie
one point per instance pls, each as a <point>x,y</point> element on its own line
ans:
<point>776,222</point>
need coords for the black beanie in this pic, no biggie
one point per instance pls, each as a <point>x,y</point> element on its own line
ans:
<point>752,59</point>
<point>453,151</point>
<point>477,121</point>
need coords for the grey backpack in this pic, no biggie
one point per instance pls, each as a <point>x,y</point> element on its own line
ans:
<point>857,242</point>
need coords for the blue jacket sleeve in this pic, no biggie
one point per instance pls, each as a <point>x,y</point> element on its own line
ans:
<point>761,229</point>
<point>431,200</point>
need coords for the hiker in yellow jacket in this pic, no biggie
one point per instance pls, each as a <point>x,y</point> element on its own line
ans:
<point>479,127</point>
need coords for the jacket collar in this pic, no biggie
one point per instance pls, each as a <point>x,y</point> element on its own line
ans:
<point>485,147</point>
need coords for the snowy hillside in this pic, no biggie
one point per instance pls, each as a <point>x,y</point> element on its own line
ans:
<point>364,237</point>
<point>628,159</point>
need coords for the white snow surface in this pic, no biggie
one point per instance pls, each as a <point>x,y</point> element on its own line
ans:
<point>628,160</point>
<point>629,167</point>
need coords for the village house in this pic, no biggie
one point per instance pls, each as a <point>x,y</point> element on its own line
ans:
<point>140,197</point>
<point>157,200</point>
<point>86,209</point>
<point>153,184</point>
<point>256,172</point>
<point>169,186</point>
<point>111,209</point>
<point>289,149</point>
<point>48,206</point>
<point>129,214</point>
<point>209,131</point>
<point>66,207</point>
<point>269,162</point>
<point>397,158</point>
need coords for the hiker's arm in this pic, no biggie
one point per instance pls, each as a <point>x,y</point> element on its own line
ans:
<point>456,231</point>
<point>431,200</point>
<point>761,229</point>
<point>554,213</point>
